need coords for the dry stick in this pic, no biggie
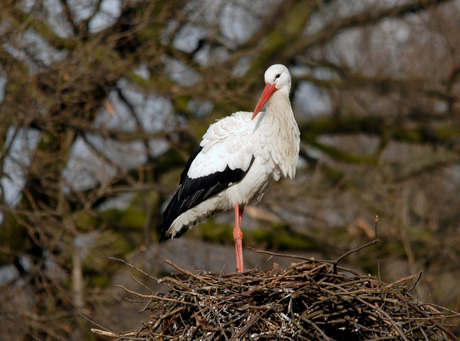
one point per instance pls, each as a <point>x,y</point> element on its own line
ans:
<point>127,336</point>
<point>201,313</point>
<point>305,259</point>
<point>177,267</point>
<point>162,317</point>
<point>424,334</point>
<point>375,241</point>
<point>375,307</point>
<point>141,284</point>
<point>416,282</point>
<point>433,306</point>
<point>102,331</point>
<point>308,259</point>
<point>384,313</point>
<point>218,322</point>
<point>298,325</point>
<point>401,280</point>
<point>440,326</point>
<point>186,272</point>
<point>148,289</point>
<point>132,266</point>
<point>314,325</point>
<point>153,296</point>
<point>408,314</point>
<point>246,328</point>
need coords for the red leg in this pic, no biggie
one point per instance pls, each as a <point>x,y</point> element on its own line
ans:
<point>238,236</point>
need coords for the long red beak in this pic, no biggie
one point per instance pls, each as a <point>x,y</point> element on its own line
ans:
<point>266,94</point>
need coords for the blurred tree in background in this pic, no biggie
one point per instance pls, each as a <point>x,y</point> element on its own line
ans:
<point>101,102</point>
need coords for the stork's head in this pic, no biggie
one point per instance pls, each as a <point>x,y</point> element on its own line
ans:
<point>277,77</point>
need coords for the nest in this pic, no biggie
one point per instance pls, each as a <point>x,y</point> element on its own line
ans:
<point>310,300</point>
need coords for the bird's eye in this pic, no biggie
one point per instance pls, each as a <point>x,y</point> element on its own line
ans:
<point>277,76</point>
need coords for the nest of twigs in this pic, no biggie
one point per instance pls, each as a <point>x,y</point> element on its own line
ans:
<point>310,300</point>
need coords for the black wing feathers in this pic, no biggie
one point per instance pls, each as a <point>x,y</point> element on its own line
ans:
<point>191,192</point>
<point>189,163</point>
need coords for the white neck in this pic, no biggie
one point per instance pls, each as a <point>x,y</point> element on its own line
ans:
<point>280,128</point>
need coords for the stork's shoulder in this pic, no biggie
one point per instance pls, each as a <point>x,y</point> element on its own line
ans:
<point>238,124</point>
<point>225,144</point>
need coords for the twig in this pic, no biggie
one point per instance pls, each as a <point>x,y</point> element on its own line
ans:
<point>307,259</point>
<point>404,279</point>
<point>245,329</point>
<point>441,327</point>
<point>416,281</point>
<point>384,313</point>
<point>152,296</point>
<point>141,284</point>
<point>375,241</point>
<point>298,325</point>
<point>376,221</point>
<point>318,329</point>
<point>132,266</point>
<point>456,313</point>
<point>102,330</point>
<point>186,272</point>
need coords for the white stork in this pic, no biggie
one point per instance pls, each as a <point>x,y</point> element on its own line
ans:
<point>236,162</point>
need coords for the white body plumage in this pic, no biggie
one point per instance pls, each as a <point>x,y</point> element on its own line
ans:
<point>238,158</point>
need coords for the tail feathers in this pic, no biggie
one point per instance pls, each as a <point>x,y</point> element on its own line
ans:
<point>164,237</point>
<point>170,214</point>
<point>174,210</point>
